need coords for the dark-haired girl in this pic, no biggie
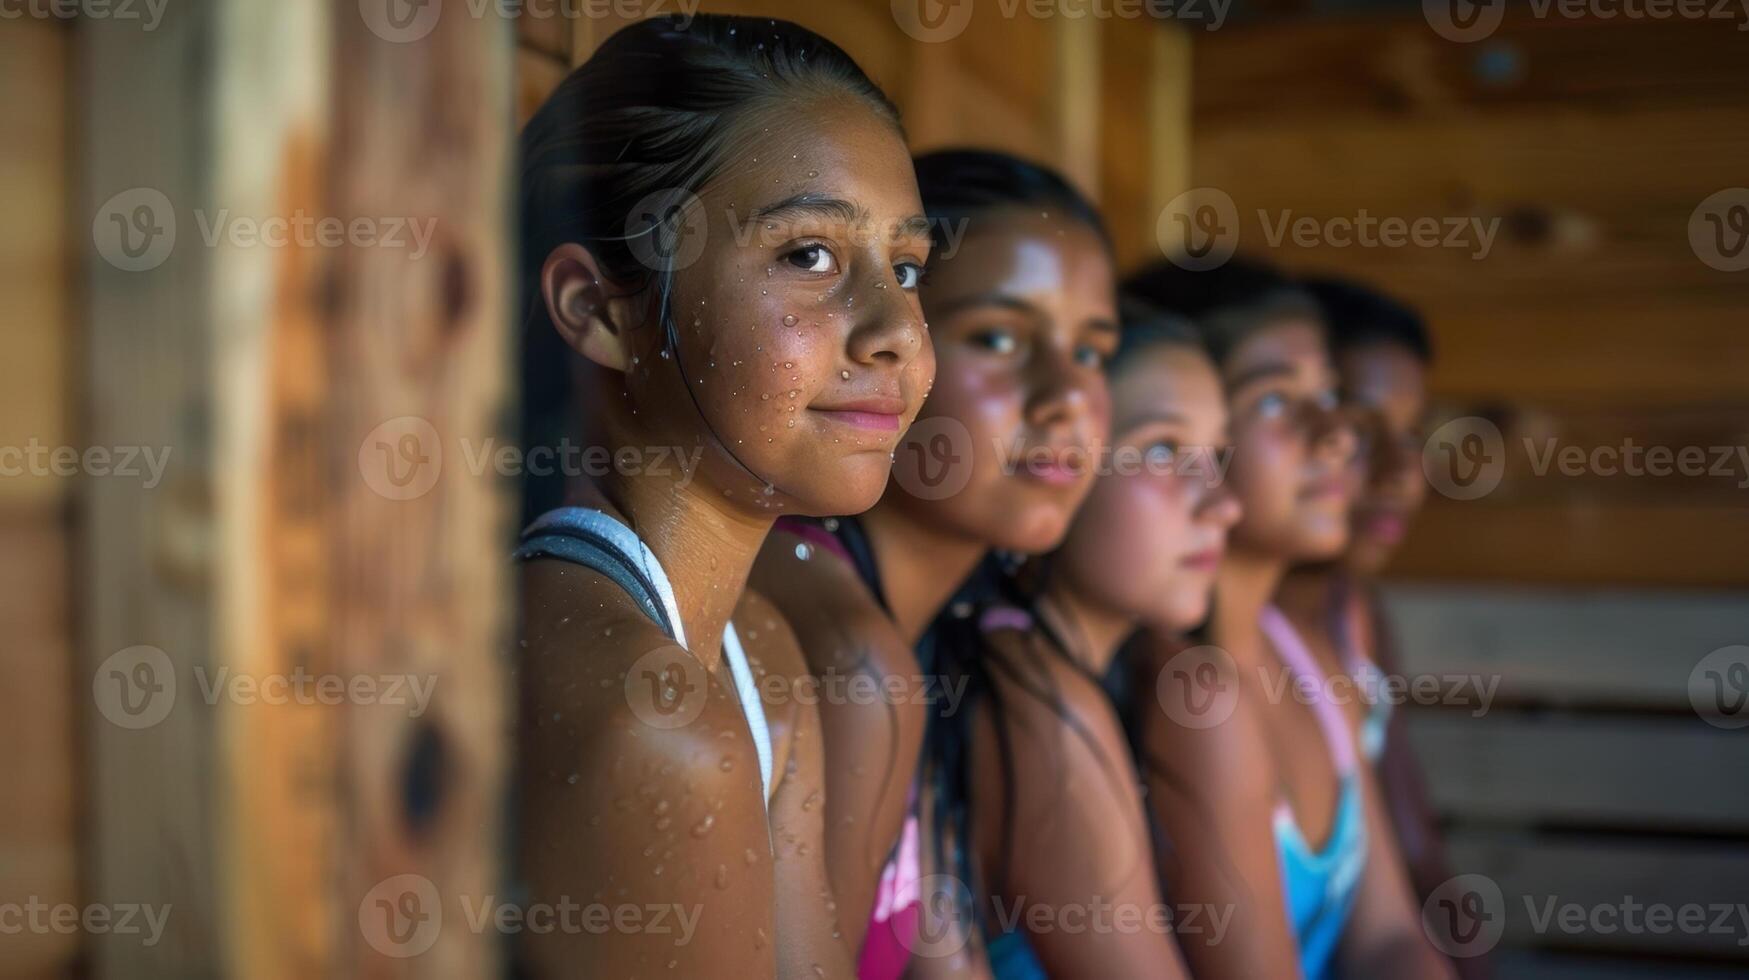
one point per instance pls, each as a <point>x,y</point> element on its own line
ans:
<point>724,242</point>
<point>1255,778</point>
<point>1020,296</point>
<point>1382,351</point>
<point>1038,762</point>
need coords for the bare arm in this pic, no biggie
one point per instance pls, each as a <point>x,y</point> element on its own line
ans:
<point>1384,937</point>
<point>1078,879</point>
<point>1212,786</point>
<point>810,941</point>
<point>613,798</point>
<point>871,715</point>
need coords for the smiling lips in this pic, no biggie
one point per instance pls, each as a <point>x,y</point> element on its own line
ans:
<point>878,414</point>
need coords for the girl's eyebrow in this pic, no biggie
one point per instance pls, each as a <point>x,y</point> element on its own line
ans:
<point>811,205</point>
<point>1134,422</point>
<point>999,300</point>
<point>1259,373</point>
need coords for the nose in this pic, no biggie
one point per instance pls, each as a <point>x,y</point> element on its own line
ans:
<point>1332,435</point>
<point>1061,392</point>
<point>890,330</point>
<point>1396,461</point>
<point>1219,506</point>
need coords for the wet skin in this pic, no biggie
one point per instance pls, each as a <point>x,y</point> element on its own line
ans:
<point>617,809</point>
<point>1142,546</point>
<point>1021,317</point>
<point>1146,545</point>
<point>1215,789</point>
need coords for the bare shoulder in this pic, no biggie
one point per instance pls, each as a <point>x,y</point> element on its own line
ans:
<point>838,623</point>
<point>602,686</point>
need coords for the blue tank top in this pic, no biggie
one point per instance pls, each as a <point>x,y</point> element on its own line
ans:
<point>1319,885</point>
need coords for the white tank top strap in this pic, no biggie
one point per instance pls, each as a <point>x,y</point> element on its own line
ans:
<point>585,536</point>
<point>751,706</point>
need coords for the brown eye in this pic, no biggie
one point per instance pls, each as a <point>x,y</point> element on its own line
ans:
<point>813,258</point>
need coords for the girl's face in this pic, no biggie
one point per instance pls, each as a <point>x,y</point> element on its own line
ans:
<point>1149,538</point>
<point>1022,318</point>
<point>800,329</point>
<point>1385,388</point>
<point>1291,444</point>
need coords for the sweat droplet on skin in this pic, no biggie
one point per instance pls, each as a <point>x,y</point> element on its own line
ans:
<point>789,320</point>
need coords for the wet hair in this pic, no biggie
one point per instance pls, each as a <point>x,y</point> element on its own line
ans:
<point>1227,303</point>
<point>959,185</point>
<point>660,107</point>
<point>1356,315</point>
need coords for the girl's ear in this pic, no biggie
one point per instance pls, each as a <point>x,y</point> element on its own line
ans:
<point>590,311</point>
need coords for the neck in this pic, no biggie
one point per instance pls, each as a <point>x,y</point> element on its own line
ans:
<point>1245,584</point>
<point>1307,592</point>
<point>920,566</point>
<point>1089,629</point>
<point>705,545</point>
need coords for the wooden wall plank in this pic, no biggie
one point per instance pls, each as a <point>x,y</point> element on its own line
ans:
<point>1604,648</point>
<point>1612,772</point>
<point>35,257</point>
<point>271,551</point>
<point>418,585</point>
<point>1578,544</point>
<point>1527,965</point>
<point>1391,65</point>
<point>37,830</point>
<point>1534,872</point>
<point>151,818</point>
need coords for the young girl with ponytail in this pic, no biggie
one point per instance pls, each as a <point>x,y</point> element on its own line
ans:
<point>723,242</point>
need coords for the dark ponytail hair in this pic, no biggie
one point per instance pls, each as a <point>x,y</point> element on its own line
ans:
<point>1227,303</point>
<point>658,107</point>
<point>959,185</point>
<point>1356,315</point>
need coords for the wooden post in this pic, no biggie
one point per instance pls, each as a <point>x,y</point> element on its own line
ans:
<point>263,623</point>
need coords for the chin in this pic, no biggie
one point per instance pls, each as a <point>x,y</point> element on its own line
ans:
<point>1184,611</point>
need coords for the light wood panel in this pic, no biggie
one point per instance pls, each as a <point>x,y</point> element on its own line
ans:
<point>270,828</point>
